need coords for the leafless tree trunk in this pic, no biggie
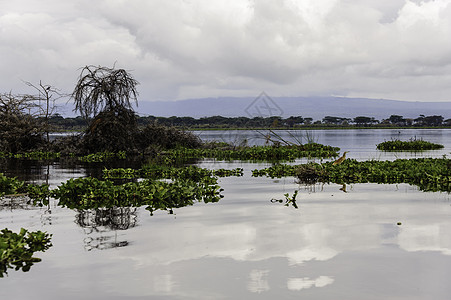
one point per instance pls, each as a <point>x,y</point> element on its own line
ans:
<point>47,94</point>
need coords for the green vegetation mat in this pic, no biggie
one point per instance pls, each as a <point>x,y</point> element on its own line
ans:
<point>429,174</point>
<point>256,153</point>
<point>89,193</point>
<point>165,172</point>
<point>412,145</point>
<point>217,151</point>
<point>156,187</point>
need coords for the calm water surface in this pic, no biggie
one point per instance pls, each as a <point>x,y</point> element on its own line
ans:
<point>343,242</point>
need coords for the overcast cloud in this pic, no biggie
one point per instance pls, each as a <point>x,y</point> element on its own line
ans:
<point>393,49</point>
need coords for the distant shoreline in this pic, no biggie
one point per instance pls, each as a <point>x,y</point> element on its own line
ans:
<point>307,127</point>
<point>318,128</point>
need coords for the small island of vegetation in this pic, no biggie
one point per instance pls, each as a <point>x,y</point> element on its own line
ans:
<point>411,145</point>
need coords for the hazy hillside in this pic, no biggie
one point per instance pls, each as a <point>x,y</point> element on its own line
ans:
<point>314,107</point>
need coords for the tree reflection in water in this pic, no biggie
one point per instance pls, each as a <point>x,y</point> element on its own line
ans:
<point>100,223</point>
<point>12,202</point>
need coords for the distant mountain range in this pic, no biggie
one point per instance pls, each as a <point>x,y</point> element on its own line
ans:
<point>314,107</point>
<point>264,106</point>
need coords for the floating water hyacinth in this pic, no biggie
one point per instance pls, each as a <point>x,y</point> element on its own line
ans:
<point>257,153</point>
<point>412,145</point>
<point>430,174</point>
<point>17,249</point>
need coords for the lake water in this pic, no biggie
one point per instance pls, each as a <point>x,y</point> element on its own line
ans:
<point>342,242</point>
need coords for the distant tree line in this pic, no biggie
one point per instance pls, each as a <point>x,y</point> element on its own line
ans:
<point>396,120</point>
<point>77,123</point>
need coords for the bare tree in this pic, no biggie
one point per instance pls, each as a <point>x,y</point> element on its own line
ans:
<point>47,94</point>
<point>19,128</point>
<point>104,89</point>
<point>105,96</point>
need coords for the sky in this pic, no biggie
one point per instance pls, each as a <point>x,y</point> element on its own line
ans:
<point>180,49</point>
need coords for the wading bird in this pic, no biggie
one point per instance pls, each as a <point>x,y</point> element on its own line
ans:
<point>340,160</point>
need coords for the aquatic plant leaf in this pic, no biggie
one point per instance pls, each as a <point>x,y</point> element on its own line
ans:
<point>17,249</point>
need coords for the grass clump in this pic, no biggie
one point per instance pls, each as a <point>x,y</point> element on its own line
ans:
<point>411,145</point>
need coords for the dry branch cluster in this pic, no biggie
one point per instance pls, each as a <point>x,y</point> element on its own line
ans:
<point>20,130</point>
<point>104,89</point>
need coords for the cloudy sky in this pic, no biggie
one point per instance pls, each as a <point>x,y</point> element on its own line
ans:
<point>178,49</point>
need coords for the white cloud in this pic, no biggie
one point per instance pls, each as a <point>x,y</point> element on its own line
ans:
<point>178,49</point>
